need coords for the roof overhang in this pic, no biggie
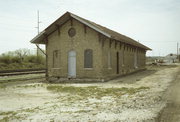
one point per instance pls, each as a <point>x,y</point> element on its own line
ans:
<point>39,39</point>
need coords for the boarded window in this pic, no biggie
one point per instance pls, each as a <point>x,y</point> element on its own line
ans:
<point>88,58</point>
<point>109,60</point>
<point>56,59</point>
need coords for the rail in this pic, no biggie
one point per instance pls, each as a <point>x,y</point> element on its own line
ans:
<point>21,72</point>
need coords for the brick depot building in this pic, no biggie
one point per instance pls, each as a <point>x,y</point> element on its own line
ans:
<point>77,48</point>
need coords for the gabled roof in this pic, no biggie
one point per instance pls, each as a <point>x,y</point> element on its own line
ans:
<point>40,39</point>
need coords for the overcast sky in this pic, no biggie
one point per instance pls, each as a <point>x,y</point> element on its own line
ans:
<point>155,23</point>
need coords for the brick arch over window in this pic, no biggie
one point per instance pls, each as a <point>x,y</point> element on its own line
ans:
<point>88,58</point>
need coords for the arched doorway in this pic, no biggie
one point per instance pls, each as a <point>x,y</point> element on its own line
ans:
<point>72,64</point>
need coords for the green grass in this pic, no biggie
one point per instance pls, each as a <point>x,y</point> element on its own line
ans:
<point>30,86</point>
<point>82,111</point>
<point>94,91</point>
<point>2,86</point>
<point>21,59</point>
<point>17,115</point>
<point>7,115</point>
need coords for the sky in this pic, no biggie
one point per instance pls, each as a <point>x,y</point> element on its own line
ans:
<point>154,23</point>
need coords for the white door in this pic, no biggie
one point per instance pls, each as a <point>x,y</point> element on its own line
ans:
<point>72,64</point>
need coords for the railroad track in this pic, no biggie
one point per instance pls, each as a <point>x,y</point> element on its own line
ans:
<point>21,72</point>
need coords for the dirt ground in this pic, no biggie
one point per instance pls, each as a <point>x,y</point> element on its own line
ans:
<point>171,113</point>
<point>133,98</point>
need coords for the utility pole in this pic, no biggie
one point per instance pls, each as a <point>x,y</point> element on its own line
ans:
<point>179,56</point>
<point>37,45</point>
<point>38,22</point>
<point>178,51</point>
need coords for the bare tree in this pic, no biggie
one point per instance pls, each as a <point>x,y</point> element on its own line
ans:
<point>22,53</point>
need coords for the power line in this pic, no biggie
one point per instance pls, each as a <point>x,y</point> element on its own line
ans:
<point>178,51</point>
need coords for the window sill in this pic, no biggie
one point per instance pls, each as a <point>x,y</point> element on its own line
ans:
<point>110,68</point>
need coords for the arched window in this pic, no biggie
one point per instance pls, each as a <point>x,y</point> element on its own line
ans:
<point>88,58</point>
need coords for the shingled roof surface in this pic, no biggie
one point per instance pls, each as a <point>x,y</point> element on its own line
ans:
<point>113,34</point>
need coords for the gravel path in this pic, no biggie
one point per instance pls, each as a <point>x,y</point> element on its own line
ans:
<point>171,112</point>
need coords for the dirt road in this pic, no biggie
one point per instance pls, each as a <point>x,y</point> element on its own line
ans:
<point>171,113</point>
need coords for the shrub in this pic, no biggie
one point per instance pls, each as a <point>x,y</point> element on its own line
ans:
<point>40,60</point>
<point>11,60</point>
<point>34,59</point>
<point>5,59</point>
<point>16,59</point>
<point>31,59</point>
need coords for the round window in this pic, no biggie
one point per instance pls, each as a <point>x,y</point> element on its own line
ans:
<point>71,32</point>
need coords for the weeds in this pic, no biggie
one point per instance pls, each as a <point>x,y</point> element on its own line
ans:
<point>82,111</point>
<point>7,116</point>
<point>8,113</point>
<point>94,91</point>
<point>2,86</point>
<point>21,59</point>
<point>16,115</point>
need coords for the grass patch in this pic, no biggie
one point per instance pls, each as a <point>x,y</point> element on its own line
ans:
<point>7,113</point>
<point>2,86</point>
<point>16,115</point>
<point>8,116</point>
<point>26,86</point>
<point>94,91</point>
<point>82,111</point>
<point>29,110</point>
<point>30,86</point>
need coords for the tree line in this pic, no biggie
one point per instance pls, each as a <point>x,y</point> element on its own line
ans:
<point>21,59</point>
